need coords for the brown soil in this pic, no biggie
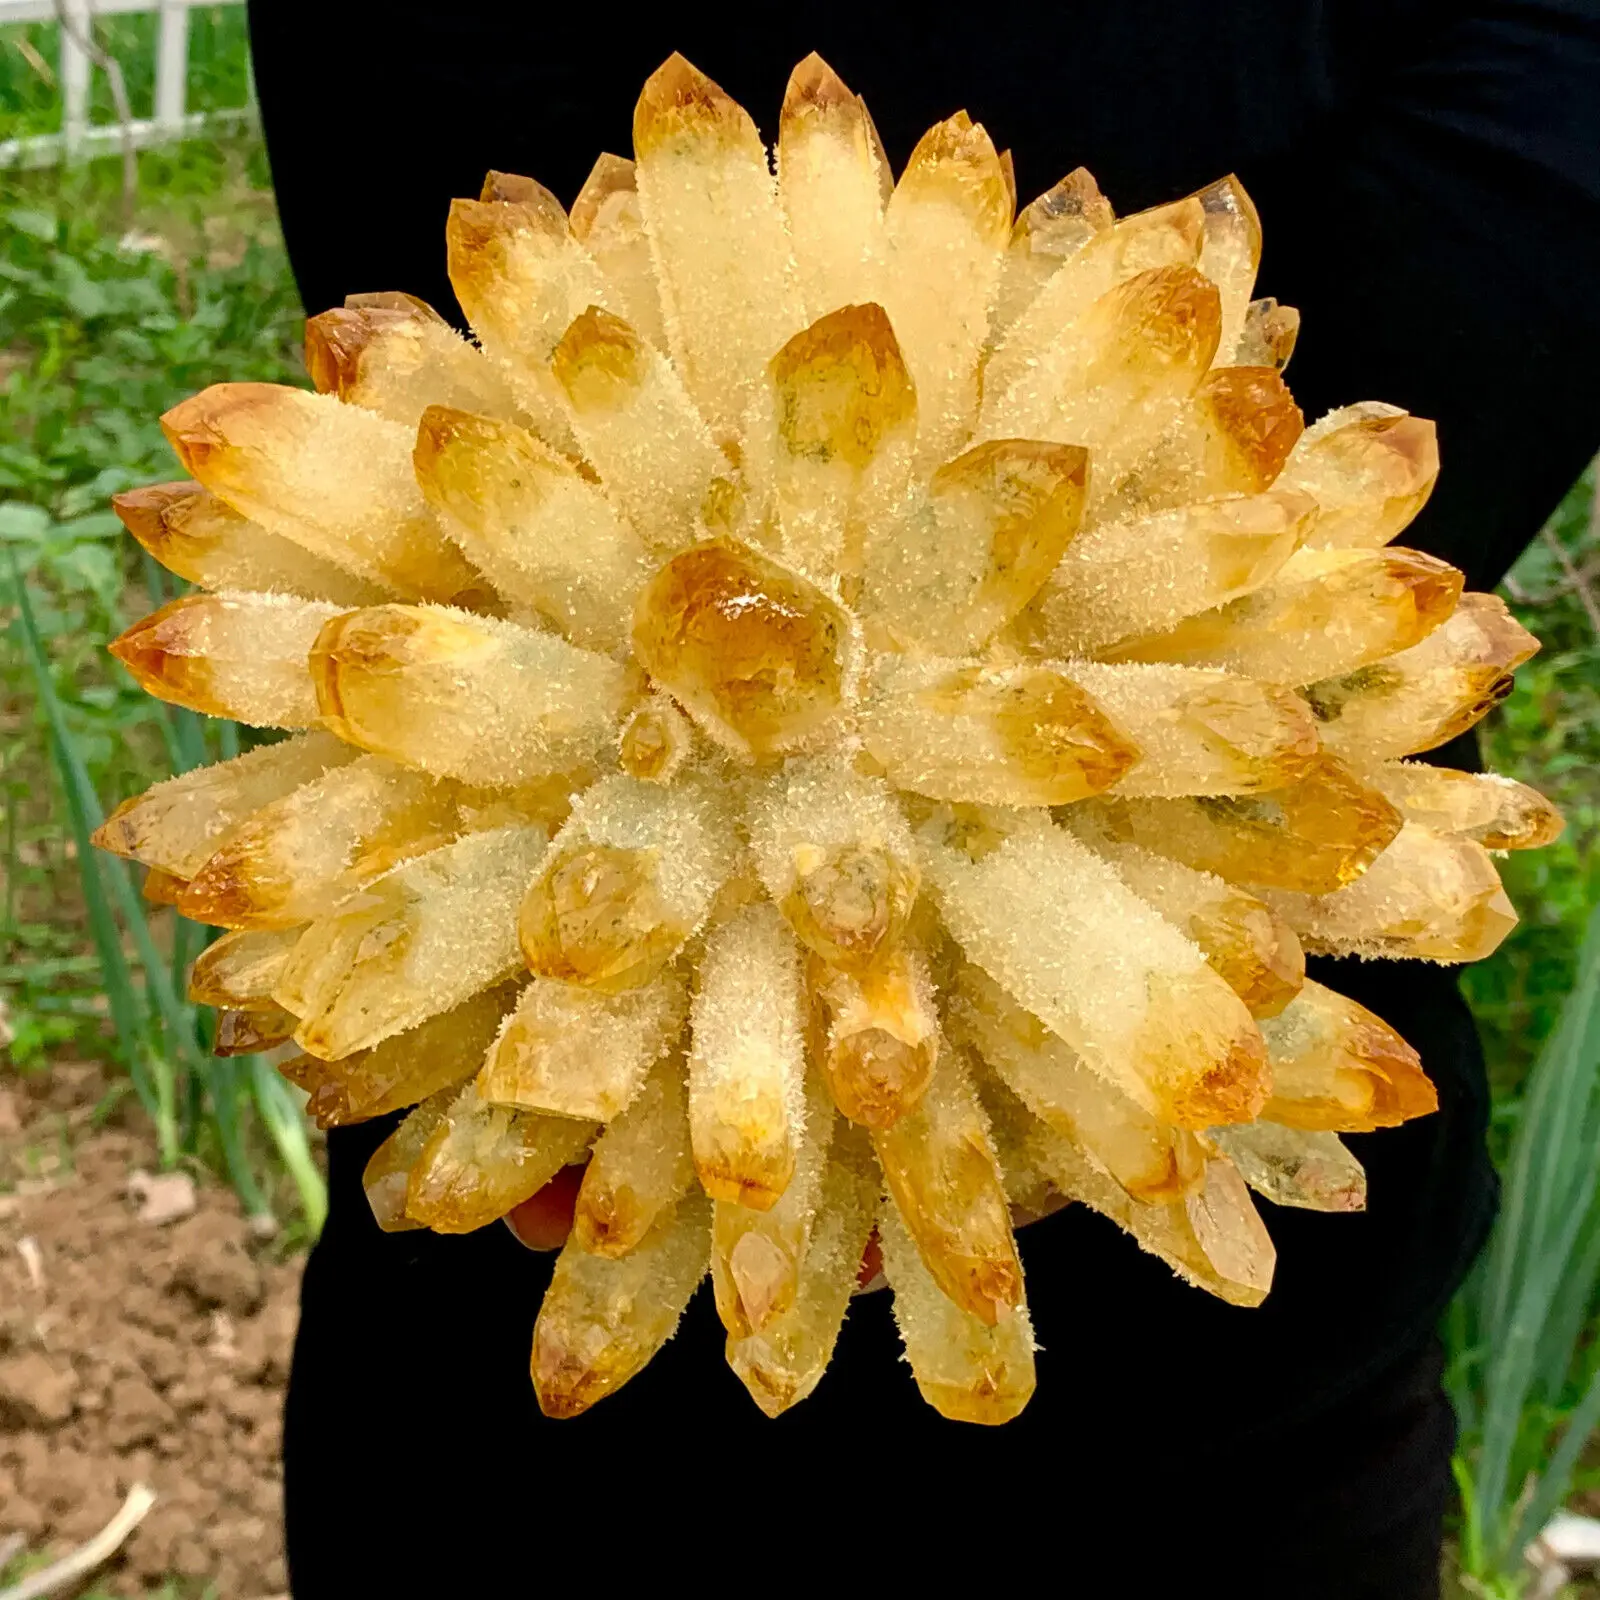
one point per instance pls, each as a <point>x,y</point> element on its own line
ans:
<point>134,1350</point>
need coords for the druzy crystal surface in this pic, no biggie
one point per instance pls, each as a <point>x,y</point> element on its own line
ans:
<point>840,708</point>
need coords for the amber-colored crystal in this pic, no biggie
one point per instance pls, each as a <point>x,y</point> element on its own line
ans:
<point>239,971</point>
<point>942,1172</point>
<point>1338,1068</point>
<point>1427,695</point>
<point>882,1036</point>
<point>244,1033</point>
<point>754,653</point>
<point>1499,813</point>
<point>959,730</point>
<point>1294,1167</point>
<point>1316,834</point>
<point>1370,468</point>
<point>1270,334</point>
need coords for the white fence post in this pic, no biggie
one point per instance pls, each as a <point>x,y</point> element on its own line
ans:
<point>172,67</point>
<point>80,138</point>
<point>75,78</point>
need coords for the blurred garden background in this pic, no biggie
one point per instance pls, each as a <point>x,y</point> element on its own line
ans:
<point>126,284</point>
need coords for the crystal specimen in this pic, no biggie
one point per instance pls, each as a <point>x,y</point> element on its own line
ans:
<point>840,706</point>
<point>1370,468</point>
<point>575,1053</point>
<point>200,538</point>
<point>1337,1068</point>
<point>1423,697</point>
<point>462,696</point>
<point>177,825</point>
<point>1294,1167</point>
<point>641,1166</point>
<point>747,1060</point>
<point>332,478</point>
<point>230,655</point>
<point>528,518</point>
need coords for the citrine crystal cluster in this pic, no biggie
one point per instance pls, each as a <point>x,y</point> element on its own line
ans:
<point>841,708</point>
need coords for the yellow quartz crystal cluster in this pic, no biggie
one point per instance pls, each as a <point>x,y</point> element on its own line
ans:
<point>840,708</point>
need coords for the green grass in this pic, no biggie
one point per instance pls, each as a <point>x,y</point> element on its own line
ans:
<point>30,99</point>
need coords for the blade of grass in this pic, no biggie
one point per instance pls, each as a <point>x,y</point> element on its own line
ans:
<point>1556,1478</point>
<point>223,1088</point>
<point>276,1105</point>
<point>128,1013</point>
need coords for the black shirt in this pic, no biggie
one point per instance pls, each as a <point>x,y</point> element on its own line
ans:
<point>1429,186</point>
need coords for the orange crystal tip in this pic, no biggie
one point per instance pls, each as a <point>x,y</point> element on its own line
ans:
<point>680,102</point>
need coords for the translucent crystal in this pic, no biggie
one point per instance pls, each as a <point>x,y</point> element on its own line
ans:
<point>965,557</point>
<point>1118,378</point>
<point>783,1363</point>
<point>1293,1167</point>
<point>574,1053</point>
<point>176,825</point>
<point>640,1169</point>
<point>608,221</point>
<point>1138,577</point>
<point>436,1055</point>
<point>1254,950</point>
<point>421,939</point>
<point>1429,896</point>
<point>1427,695</point>
<point>638,427</point>
<point>334,479</point>
<point>1213,1239</point>
<point>1200,731</point>
<point>833,180</point>
<point>882,1035</point>
<point>747,1060</point>
<point>194,534</point>
<point>1370,467</point>
<point>1337,1068</point>
<point>299,855</point>
<point>463,696</point>
<point>754,653</point>
<point>1047,233</point>
<point>518,273</point>
<point>1152,1160</point>
<point>246,1033</point>
<point>756,1256</point>
<point>963,730</point>
<point>1056,926</point>
<point>947,224</point>
<point>629,877</point>
<point>1315,835</point>
<point>967,1369</point>
<point>230,655</point>
<point>527,517</point>
<point>603,1318</point>
<point>1325,613</point>
<point>1168,236</point>
<point>838,420</point>
<point>655,741</point>
<point>1230,252</point>
<point>483,1160</point>
<point>162,888</point>
<point>1232,438</point>
<point>1012,1129</point>
<point>721,249</point>
<point>1499,813</point>
<point>240,970</point>
<point>834,853</point>
<point>945,1182</point>
<point>389,1169</point>
<point>398,358</point>
<point>1269,335</point>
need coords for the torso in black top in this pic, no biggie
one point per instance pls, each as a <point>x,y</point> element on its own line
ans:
<point>1429,188</point>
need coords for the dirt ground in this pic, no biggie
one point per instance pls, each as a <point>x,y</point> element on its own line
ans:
<point>135,1349</point>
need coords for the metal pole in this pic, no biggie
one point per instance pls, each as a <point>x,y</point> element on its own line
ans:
<point>172,67</point>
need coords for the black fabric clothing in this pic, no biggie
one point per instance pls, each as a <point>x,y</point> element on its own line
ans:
<point>1428,182</point>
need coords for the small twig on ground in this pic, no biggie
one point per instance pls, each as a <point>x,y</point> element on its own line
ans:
<point>1586,595</point>
<point>62,1575</point>
<point>108,64</point>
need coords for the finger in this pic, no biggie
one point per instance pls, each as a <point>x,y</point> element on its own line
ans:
<point>544,1222</point>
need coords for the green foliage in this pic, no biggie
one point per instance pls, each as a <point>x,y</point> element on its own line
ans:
<point>30,52</point>
<point>98,336</point>
<point>1525,1376</point>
